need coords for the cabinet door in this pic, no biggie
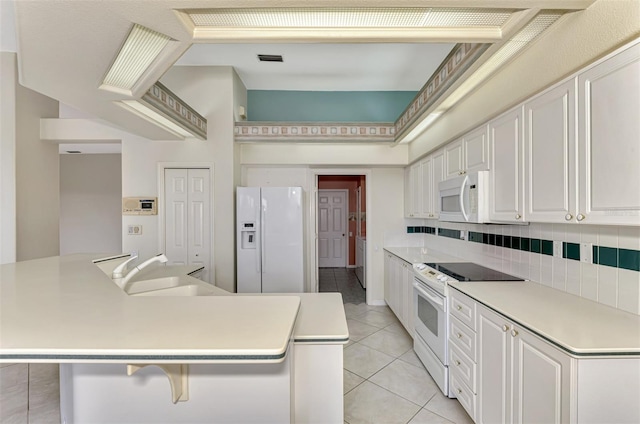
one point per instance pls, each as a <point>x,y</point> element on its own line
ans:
<point>406,272</point>
<point>416,190</point>
<point>453,159</point>
<point>541,380</point>
<point>437,175</point>
<point>550,155</point>
<point>506,175</point>
<point>408,283</point>
<point>494,352</point>
<point>387,278</point>
<point>407,192</point>
<point>609,141</point>
<point>476,150</point>
<point>426,209</point>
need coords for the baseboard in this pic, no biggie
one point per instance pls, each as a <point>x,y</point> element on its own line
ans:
<point>377,303</point>
<point>351,266</point>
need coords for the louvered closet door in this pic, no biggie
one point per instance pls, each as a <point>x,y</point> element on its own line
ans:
<point>187,223</point>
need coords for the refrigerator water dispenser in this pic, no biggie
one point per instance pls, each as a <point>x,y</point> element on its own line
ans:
<point>248,231</point>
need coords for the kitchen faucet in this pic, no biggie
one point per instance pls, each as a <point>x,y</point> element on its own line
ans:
<point>118,272</point>
<point>158,258</point>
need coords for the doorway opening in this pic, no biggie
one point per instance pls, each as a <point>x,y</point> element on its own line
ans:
<point>341,229</point>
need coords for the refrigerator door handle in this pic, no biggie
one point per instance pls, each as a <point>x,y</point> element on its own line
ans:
<point>263,258</point>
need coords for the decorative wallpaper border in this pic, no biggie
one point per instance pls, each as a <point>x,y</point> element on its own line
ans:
<point>314,131</point>
<point>461,57</point>
<point>176,109</point>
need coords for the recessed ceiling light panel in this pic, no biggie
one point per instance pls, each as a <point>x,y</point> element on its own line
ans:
<point>139,50</point>
<point>415,17</point>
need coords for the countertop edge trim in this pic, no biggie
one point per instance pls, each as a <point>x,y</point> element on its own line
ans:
<point>326,341</point>
<point>553,342</point>
<point>136,358</point>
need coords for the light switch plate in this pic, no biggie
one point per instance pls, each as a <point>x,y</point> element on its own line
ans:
<point>557,249</point>
<point>135,230</point>
<point>586,252</point>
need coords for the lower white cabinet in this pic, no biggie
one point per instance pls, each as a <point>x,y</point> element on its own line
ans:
<point>398,289</point>
<point>514,376</point>
<point>521,378</point>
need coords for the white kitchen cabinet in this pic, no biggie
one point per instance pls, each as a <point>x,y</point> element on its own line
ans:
<point>506,187</point>
<point>413,191</point>
<point>467,154</point>
<point>426,195</point>
<point>550,155</point>
<point>437,175</point>
<point>609,140</point>
<point>399,289</point>
<point>521,378</point>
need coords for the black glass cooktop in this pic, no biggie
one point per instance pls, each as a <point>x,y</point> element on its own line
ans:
<point>468,271</point>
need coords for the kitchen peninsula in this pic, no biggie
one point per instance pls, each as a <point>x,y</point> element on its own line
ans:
<point>228,358</point>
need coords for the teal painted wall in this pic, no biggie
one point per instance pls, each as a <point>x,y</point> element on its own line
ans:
<point>327,106</point>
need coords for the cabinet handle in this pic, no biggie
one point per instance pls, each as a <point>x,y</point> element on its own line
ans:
<point>457,362</point>
<point>568,217</point>
<point>505,328</point>
<point>458,307</point>
<point>518,216</point>
<point>514,333</point>
<point>459,335</point>
<point>580,217</point>
<point>459,391</point>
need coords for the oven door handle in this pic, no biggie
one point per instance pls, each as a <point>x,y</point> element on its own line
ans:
<point>434,299</point>
<point>462,186</point>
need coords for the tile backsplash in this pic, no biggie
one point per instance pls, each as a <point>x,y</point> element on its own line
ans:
<point>606,269</point>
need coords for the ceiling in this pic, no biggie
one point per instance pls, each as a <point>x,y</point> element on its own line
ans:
<point>66,48</point>
<point>326,67</point>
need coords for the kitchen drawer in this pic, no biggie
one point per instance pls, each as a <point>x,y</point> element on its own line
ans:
<point>463,366</point>
<point>463,308</point>
<point>463,337</point>
<point>464,394</point>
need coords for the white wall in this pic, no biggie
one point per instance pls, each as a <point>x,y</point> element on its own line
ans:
<point>574,41</point>
<point>8,71</point>
<point>212,91</point>
<point>90,203</point>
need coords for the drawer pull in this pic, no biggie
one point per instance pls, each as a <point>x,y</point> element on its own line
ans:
<point>457,362</point>
<point>514,333</point>
<point>459,391</point>
<point>458,307</point>
<point>459,335</point>
<point>505,328</point>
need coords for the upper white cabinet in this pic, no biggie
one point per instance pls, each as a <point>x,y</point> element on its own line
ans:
<point>468,154</point>
<point>609,140</point>
<point>506,190</point>
<point>421,186</point>
<point>550,155</point>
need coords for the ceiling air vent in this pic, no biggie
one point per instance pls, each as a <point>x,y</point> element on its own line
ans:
<point>270,58</point>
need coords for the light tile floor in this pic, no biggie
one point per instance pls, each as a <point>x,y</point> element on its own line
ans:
<point>384,381</point>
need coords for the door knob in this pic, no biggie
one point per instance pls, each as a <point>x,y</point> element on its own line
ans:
<point>568,217</point>
<point>514,333</point>
<point>580,217</point>
<point>505,328</point>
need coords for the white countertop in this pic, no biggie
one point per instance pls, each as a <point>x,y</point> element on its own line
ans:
<point>421,254</point>
<point>65,309</point>
<point>577,325</point>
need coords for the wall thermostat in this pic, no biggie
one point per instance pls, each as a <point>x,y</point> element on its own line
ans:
<point>139,206</point>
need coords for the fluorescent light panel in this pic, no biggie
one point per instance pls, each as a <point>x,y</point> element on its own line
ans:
<point>154,117</point>
<point>139,50</point>
<point>371,17</point>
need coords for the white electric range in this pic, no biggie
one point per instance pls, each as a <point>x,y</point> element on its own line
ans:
<point>431,318</point>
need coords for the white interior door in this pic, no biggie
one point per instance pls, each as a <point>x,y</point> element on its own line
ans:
<point>332,228</point>
<point>187,218</point>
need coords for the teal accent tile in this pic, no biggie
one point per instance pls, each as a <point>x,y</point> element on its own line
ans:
<point>506,242</point>
<point>536,246</point>
<point>409,230</point>
<point>515,243</point>
<point>499,240</point>
<point>547,247</point>
<point>525,244</point>
<point>492,239</point>
<point>595,255</point>
<point>608,256</point>
<point>571,251</point>
<point>629,259</point>
<point>485,238</point>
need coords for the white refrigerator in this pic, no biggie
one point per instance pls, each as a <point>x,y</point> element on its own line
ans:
<point>269,240</point>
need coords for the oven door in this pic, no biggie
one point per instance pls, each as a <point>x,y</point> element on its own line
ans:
<point>430,319</point>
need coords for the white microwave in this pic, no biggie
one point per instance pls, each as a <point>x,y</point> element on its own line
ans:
<point>465,198</point>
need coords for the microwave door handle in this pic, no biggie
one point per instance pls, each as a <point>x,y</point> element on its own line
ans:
<point>462,186</point>
<point>424,293</point>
